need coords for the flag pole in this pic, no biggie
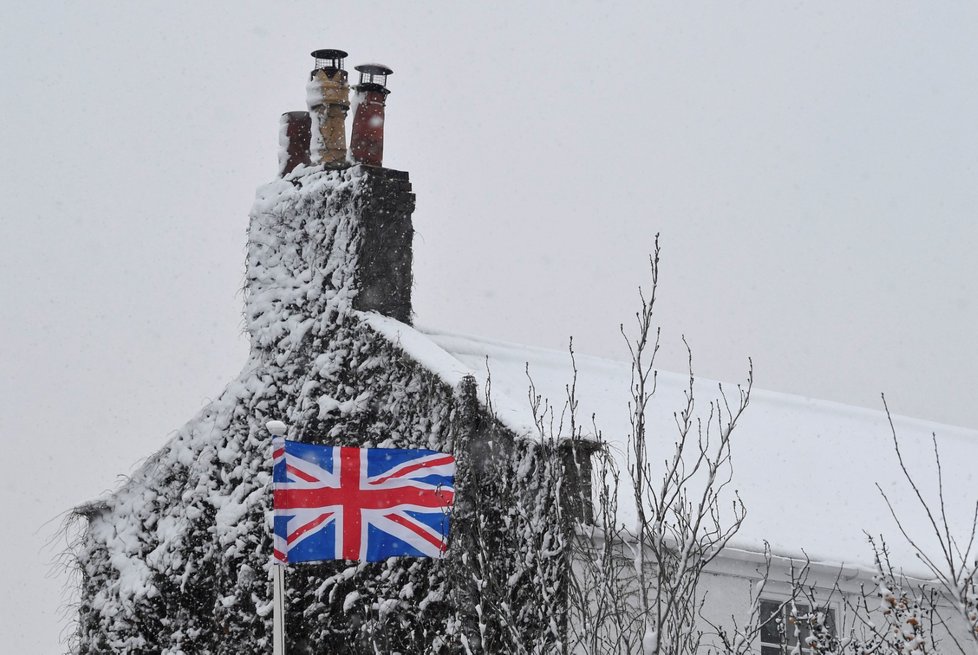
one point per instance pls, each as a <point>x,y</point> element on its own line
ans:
<point>278,615</point>
<point>278,430</point>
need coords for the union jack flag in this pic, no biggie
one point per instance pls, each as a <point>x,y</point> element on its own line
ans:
<point>365,504</point>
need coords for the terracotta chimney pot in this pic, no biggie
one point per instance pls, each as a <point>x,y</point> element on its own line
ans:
<point>367,139</point>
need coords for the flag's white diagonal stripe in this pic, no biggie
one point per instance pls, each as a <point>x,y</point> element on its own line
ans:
<point>305,518</point>
<point>397,468</point>
<point>408,536</point>
<point>323,478</point>
<point>419,464</point>
<point>414,484</point>
<point>435,534</point>
<point>382,482</point>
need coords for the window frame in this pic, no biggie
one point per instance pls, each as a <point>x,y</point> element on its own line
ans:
<point>789,642</point>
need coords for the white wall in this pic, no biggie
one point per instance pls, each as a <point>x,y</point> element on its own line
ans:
<point>729,580</point>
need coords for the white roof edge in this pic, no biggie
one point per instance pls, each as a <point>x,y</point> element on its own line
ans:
<point>750,553</point>
<point>776,397</point>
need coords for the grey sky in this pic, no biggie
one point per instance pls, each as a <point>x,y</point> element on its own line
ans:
<point>813,170</point>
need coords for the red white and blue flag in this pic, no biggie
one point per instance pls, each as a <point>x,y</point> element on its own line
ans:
<point>364,504</point>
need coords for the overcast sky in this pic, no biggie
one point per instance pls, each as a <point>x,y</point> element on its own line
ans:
<point>812,169</point>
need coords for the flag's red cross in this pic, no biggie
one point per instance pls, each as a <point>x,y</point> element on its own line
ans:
<point>355,494</point>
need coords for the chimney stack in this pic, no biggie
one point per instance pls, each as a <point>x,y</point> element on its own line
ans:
<point>293,140</point>
<point>328,98</point>
<point>367,139</point>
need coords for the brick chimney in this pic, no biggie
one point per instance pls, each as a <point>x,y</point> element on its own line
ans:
<point>330,235</point>
<point>385,255</point>
<point>293,140</point>
<point>323,242</point>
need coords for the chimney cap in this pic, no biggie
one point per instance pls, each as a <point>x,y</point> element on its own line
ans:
<point>374,69</point>
<point>329,58</point>
<point>329,53</point>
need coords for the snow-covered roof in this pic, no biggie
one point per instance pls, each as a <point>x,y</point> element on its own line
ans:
<point>806,469</point>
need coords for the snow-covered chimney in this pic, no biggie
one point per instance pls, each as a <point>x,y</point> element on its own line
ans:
<point>293,140</point>
<point>330,226</point>
<point>367,139</point>
<point>328,98</point>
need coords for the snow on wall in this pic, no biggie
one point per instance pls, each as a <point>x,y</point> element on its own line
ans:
<point>178,559</point>
<point>300,271</point>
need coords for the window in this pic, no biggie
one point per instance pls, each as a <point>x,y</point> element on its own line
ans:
<point>778,632</point>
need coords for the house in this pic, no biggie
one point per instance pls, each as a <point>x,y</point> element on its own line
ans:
<point>177,560</point>
<point>807,471</point>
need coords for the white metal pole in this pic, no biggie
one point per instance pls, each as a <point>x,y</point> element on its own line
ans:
<point>278,616</point>
<point>278,430</point>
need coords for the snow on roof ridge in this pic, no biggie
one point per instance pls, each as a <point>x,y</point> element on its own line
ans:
<point>416,344</point>
<point>774,397</point>
<point>423,349</point>
<point>499,343</point>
